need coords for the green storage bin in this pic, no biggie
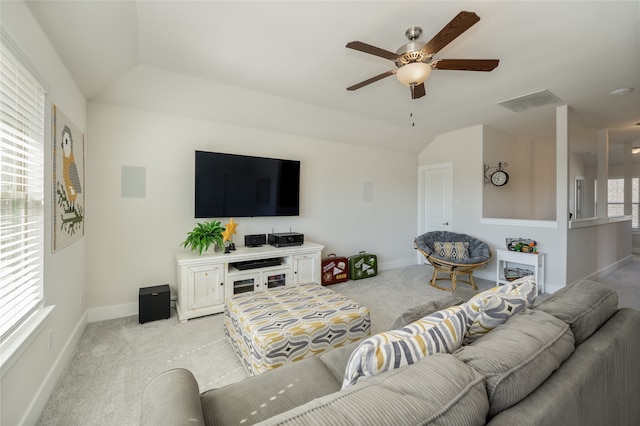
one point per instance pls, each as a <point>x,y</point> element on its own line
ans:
<point>363,265</point>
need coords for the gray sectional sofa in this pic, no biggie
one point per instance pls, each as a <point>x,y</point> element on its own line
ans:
<point>573,359</point>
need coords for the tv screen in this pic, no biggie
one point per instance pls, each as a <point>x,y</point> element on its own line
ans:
<point>229,185</point>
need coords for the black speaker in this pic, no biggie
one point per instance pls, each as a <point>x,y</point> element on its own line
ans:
<point>255,240</point>
<point>154,303</point>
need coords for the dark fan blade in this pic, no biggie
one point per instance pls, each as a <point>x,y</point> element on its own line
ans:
<point>372,80</point>
<point>417,91</point>
<point>461,23</point>
<point>367,48</point>
<point>466,64</point>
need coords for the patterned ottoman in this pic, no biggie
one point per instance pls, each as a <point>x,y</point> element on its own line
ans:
<point>272,328</point>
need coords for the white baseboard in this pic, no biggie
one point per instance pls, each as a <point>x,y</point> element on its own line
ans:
<point>129,309</point>
<point>41,398</point>
<point>385,266</point>
<point>112,312</point>
<point>608,269</point>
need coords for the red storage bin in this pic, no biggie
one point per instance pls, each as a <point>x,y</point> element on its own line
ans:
<point>334,269</point>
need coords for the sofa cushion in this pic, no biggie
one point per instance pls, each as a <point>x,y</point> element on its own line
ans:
<point>597,385</point>
<point>337,359</point>
<point>440,332</point>
<point>260,397</point>
<point>415,313</point>
<point>518,356</point>
<point>496,305</point>
<point>584,305</point>
<point>404,396</point>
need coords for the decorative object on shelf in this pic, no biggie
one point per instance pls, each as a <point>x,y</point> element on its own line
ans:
<point>524,245</point>
<point>204,235</point>
<point>499,177</point>
<point>512,274</point>
<point>230,229</point>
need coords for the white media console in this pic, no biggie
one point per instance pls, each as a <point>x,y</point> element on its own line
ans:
<point>205,281</point>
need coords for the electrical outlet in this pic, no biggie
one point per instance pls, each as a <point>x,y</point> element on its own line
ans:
<point>50,340</point>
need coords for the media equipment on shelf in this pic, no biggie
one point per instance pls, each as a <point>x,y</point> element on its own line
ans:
<point>255,264</point>
<point>286,239</point>
<point>255,240</point>
<point>229,185</point>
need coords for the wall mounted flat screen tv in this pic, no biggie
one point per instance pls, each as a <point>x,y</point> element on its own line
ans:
<point>229,185</point>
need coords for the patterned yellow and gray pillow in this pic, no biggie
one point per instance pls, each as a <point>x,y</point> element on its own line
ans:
<point>451,250</point>
<point>441,332</point>
<point>495,306</point>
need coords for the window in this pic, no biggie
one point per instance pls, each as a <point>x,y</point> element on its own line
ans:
<point>616,199</point>
<point>21,190</point>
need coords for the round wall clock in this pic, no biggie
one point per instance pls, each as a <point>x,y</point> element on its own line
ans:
<point>499,178</point>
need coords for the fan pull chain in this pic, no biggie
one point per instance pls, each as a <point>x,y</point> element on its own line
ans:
<point>413,107</point>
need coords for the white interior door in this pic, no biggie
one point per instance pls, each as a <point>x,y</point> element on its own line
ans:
<point>435,199</point>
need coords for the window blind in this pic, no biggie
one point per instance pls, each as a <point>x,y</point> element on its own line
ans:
<point>21,190</point>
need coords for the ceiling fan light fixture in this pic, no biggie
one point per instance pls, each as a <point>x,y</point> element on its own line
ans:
<point>635,150</point>
<point>414,73</point>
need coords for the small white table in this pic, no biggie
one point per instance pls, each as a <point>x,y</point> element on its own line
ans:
<point>527,259</point>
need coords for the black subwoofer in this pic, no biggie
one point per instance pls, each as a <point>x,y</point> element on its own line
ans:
<point>154,303</point>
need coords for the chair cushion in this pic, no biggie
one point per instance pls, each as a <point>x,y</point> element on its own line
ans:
<point>584,305</point>
<point>518,356</point>
<point>478,250</point>
<point>496,305</point>
<point>457,250</point>
<point>440,332</point>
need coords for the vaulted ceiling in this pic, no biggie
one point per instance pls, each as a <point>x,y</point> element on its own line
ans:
<point>283,66</point>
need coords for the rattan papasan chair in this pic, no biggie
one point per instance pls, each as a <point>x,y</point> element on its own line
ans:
<point>453,254</point>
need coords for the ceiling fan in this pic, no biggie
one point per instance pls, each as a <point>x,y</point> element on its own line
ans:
<point>415,59</point>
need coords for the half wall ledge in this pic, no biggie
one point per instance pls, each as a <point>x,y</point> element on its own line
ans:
<point>551,224</point>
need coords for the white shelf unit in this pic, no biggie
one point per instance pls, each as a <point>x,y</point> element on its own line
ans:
<point>205,281</point>
<point>532,260</point>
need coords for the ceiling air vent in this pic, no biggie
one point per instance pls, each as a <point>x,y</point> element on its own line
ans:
<point>532,100</point>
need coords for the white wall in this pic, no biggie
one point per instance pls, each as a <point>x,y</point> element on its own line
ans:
<point>26,386</point>
<point>467,194</point>
<point>131,241</point>
<point>530,192</point>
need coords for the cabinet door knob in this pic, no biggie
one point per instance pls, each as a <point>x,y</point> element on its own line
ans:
<point>221,283</point>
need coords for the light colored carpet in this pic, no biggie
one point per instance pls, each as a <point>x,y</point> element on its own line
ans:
<point>115,359</point>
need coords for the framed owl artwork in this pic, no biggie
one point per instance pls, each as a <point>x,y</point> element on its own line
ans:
<point>68,181</point>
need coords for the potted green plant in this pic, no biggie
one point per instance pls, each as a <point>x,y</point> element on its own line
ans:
<point>204,235</point>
